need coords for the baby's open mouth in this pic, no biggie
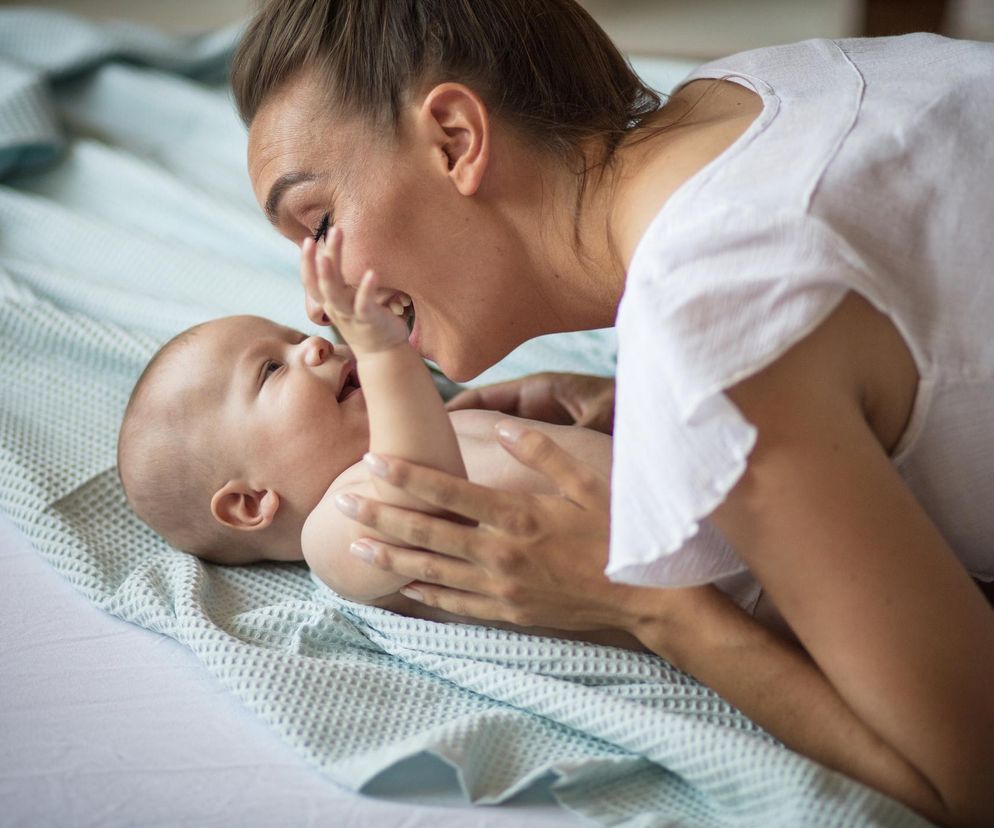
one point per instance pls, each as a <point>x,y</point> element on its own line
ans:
<point>350,385</point>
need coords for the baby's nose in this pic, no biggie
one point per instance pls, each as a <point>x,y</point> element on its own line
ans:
<point>317,350</point>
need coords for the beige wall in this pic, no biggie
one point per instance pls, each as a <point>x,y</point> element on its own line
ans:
<point>712,28</point>
<point>691,28</point>
<point>176,15</point>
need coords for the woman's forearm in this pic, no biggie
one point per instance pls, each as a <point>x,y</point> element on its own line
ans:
<point>777,685</point>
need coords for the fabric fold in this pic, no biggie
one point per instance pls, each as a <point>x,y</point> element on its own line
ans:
<point>354,690</point>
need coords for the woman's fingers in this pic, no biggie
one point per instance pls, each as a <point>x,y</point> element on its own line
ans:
<point>451,494</point>
<point>534,397</point>
<point>502,396</point>
<point>575,479</point>
<point>417,529</point>
<point>418,565</point>
<point>458,602</point>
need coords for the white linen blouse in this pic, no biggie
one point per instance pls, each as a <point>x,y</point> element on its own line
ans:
<point>869,169</point>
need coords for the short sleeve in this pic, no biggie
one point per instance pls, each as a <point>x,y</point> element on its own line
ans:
<point>707,304</point>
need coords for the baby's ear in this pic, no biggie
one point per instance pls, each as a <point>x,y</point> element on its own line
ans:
<point>238,505</point>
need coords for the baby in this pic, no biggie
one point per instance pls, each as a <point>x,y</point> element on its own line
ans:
<point>240,433</point>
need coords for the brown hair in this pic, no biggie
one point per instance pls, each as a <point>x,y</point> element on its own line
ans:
<point>543,66</point>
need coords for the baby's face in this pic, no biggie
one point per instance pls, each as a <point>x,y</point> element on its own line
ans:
<point>288,414</point>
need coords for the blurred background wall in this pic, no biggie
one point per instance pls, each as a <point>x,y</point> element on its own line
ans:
<point>689,28</point>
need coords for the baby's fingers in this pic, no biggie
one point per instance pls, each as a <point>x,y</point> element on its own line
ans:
<point>308,270</point>
<point>330,282</point>
<point>365,299</point>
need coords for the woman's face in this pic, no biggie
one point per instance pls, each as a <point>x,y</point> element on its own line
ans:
<point>455,250</point>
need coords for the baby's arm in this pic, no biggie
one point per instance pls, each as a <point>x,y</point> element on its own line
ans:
<point>407,417</point>
<point>325,541</point>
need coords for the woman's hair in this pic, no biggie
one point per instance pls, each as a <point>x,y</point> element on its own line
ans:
<point>543,66</point>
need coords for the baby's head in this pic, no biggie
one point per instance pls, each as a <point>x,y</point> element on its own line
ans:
<point>233,434</point>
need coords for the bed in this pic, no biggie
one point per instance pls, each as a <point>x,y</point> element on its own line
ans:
<point>141,687</point>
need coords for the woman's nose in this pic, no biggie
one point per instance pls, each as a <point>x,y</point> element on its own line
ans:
<point>315,312</point>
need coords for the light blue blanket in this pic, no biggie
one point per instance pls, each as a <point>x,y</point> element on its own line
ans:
<point>125,216</point>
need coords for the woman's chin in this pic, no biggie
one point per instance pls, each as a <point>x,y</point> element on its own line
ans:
<point>467,368</point>
<point>460,358</point>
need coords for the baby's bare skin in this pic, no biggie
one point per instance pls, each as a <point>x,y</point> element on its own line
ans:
<point>407,419</point>
<point>488,464</point>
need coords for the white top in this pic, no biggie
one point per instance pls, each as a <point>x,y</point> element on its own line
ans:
<point>871,169</point>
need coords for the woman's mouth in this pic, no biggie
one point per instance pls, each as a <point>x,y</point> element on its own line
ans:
<point>413,332</point>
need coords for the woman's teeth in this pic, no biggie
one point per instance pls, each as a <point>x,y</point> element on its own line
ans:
<point>401,305</point>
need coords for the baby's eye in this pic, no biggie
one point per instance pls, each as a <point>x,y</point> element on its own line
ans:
<point>270,367</point>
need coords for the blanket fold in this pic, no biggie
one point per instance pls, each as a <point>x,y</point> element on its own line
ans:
<point>126,216</point>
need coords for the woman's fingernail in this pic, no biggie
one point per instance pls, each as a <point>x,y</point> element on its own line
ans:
<point>347,505</point>
<point>509,432</point>
<point>377,465</point>
<point>413,594</point>
<point>361,549</point>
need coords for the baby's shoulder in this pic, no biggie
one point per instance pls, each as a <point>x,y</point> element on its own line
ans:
<point>326,520</point>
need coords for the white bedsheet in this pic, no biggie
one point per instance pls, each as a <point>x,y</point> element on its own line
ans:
<point>105,723</point>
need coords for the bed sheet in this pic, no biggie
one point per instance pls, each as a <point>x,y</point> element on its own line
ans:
<point>140,223</point>
<point>105,723</point>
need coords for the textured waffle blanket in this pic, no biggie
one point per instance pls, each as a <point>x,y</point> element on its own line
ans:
<point>125,216</point>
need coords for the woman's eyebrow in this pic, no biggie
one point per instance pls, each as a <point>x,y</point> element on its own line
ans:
<point>279,188</point>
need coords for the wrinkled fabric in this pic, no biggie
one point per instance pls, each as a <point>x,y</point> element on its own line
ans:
<point>866,171</point>
<point>126,216</point>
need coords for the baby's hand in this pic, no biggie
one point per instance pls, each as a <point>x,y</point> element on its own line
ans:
<point>365,324</point>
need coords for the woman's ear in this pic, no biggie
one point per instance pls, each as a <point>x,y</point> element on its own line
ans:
<point>457,122</point>
<point>239,506</point>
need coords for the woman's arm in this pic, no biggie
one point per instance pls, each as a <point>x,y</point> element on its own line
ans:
<point>778,686</point>
<point>896,687</point>
<point>539,561</point>
<point>865,580</point>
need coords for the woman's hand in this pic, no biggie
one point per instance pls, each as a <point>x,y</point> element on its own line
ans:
<point>531,560</point>
<point>364,323</point>
<point>553,397</point>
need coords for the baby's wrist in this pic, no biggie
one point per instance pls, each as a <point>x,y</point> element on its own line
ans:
<point>377,352</point>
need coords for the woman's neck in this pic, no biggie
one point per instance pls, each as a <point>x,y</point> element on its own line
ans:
<point>589,251</point>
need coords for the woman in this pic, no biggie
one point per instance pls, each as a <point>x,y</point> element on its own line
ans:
<point>795,249</point>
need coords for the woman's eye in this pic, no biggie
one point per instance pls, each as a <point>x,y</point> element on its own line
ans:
<point>322,228</point>
<point>270,367</point>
